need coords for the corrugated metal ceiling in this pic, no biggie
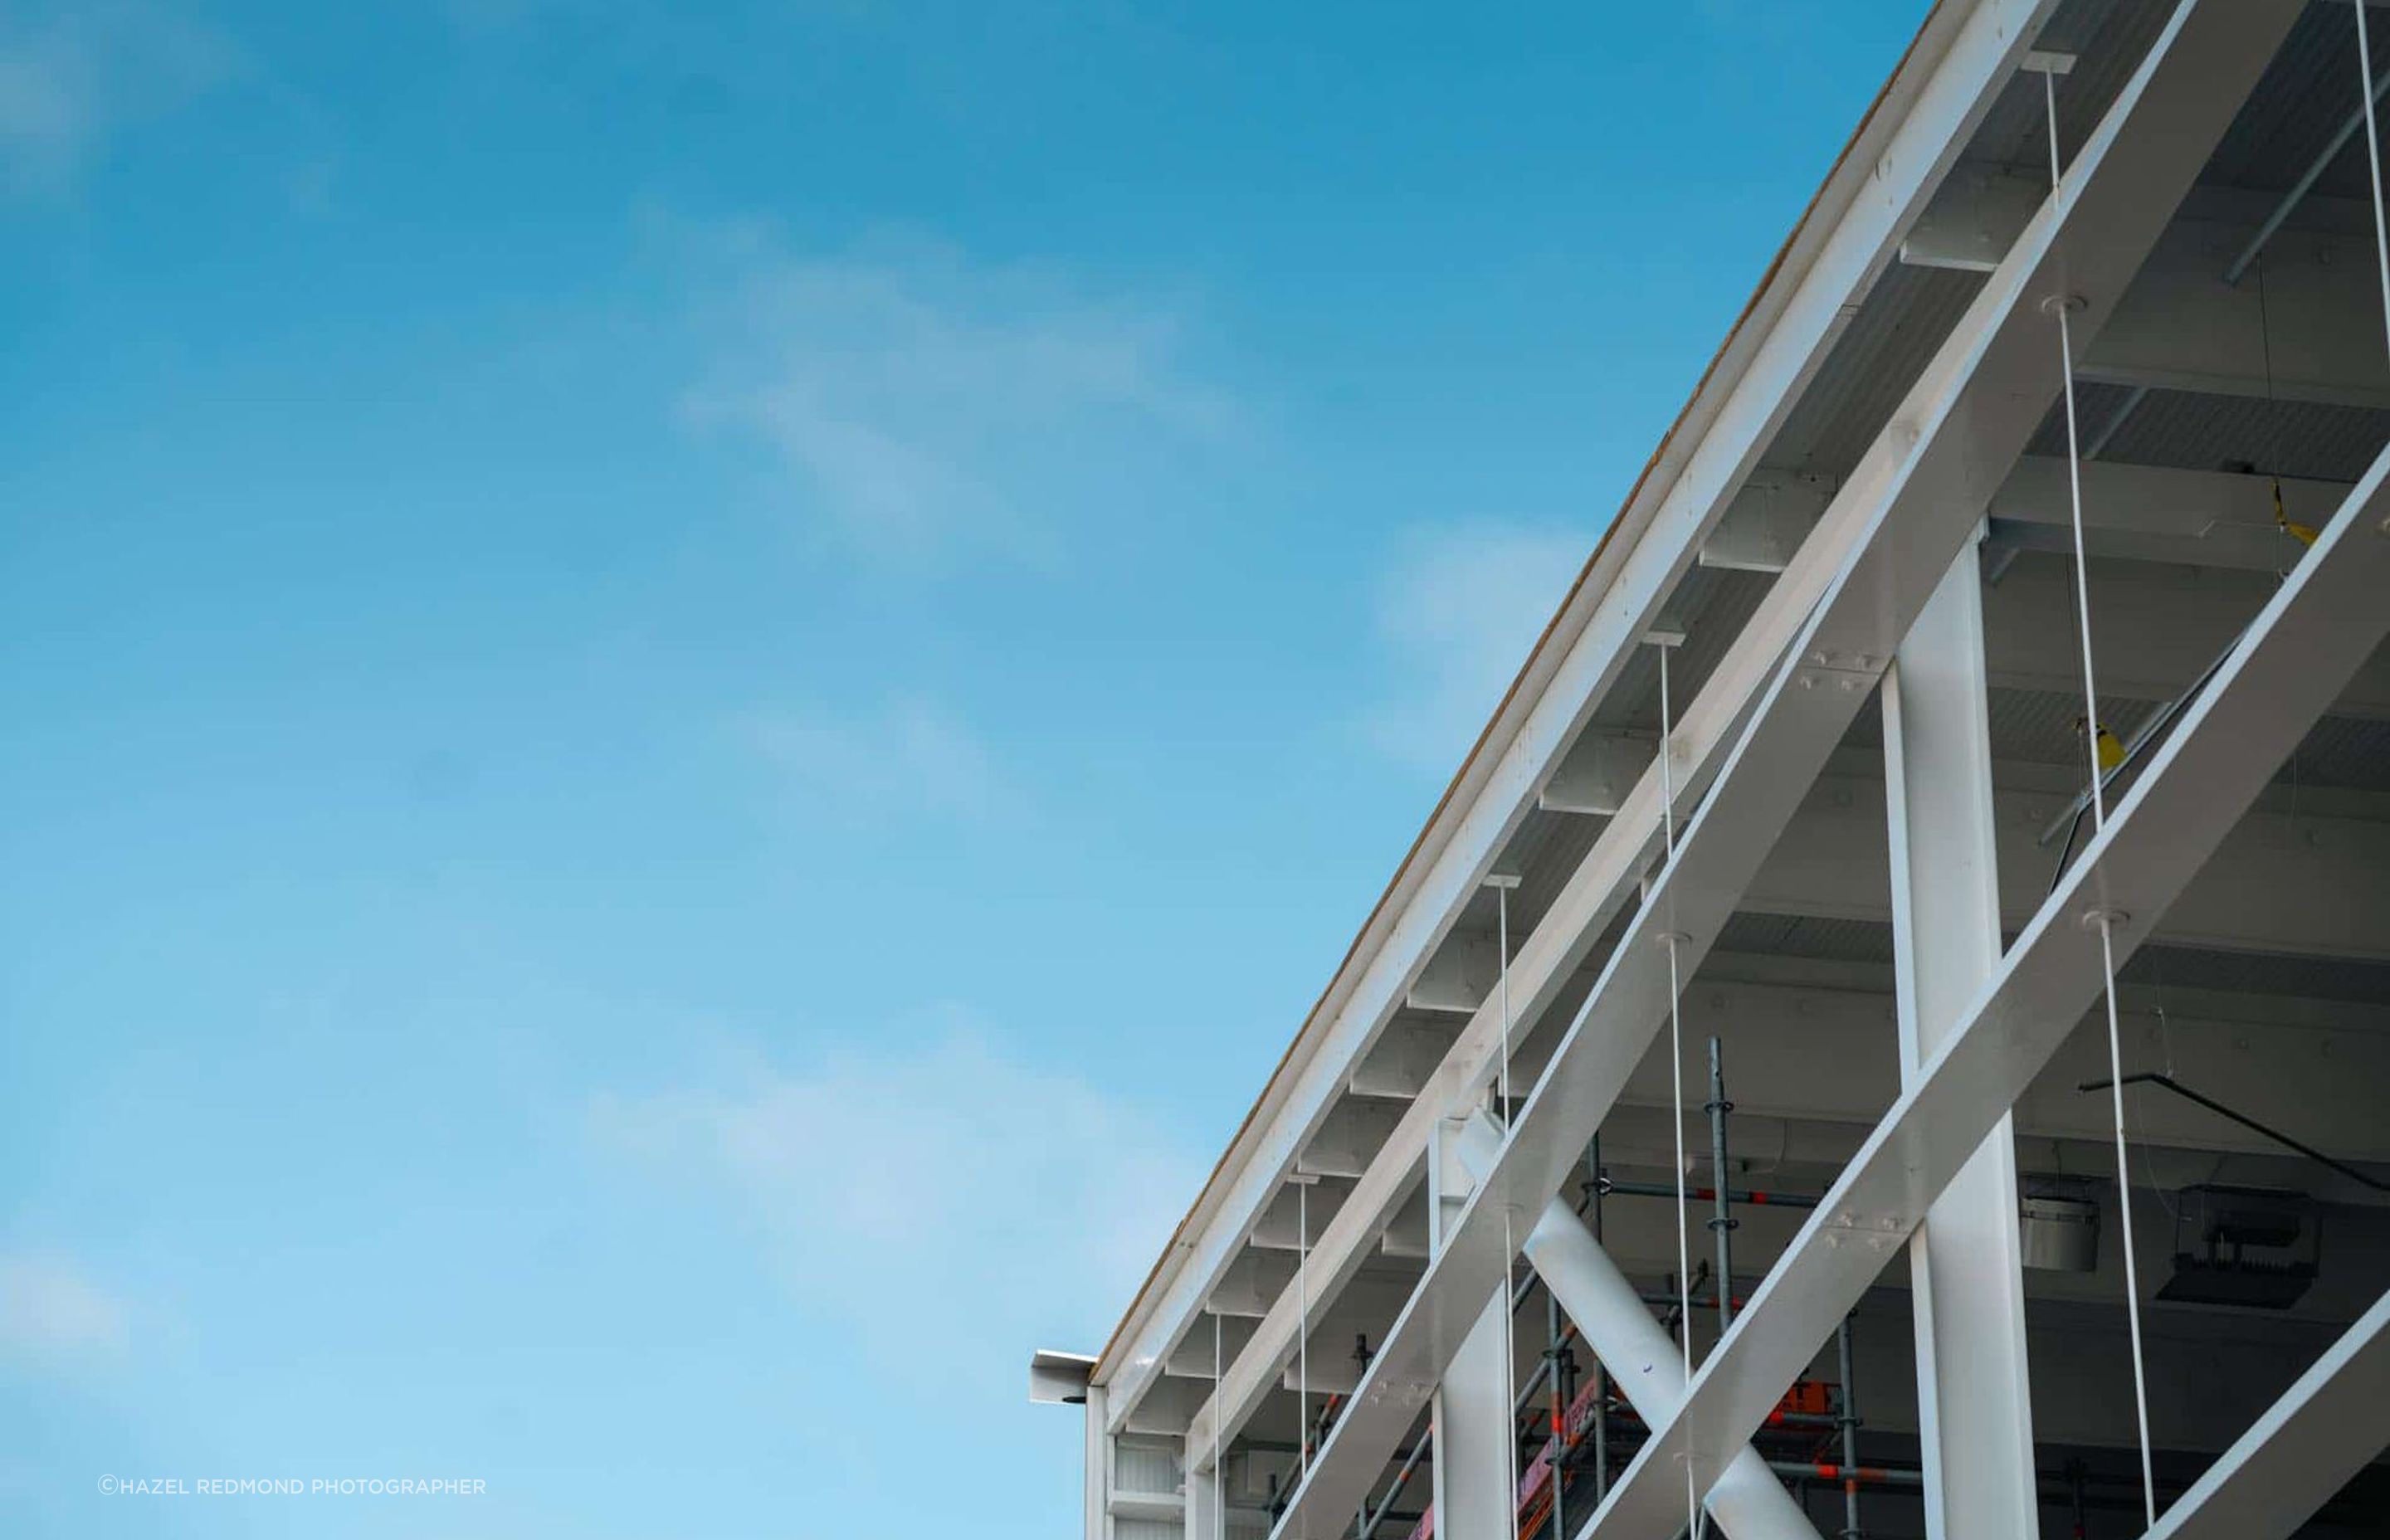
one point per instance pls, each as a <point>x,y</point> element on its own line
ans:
<point>1879,356</point>
<point>2305,96</point>
<point>2195,431</point>
<point>2157,965</point>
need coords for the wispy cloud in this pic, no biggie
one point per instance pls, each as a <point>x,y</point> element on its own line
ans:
<point>940,1177</point>
<point>49,1310</point>
<point>907,755</point>
<point>1458,608</point>
<point>71,75</point>
<point>929,407</point>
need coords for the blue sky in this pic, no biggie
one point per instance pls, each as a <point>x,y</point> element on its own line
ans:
<point>693,699</point>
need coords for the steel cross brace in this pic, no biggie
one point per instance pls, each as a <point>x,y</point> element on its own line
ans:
<point>2306,1445</point>
<point>2319,627</point>
<point>1748,1501</point>
<point>1904,514</point>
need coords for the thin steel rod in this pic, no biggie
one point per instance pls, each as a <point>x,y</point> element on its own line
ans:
<point>1302,1337</point>
<point>2168,1083</point>
<point>1509,1375</point>
<point>2125,1221</point>
<point>2372,164</point>
<point>2065,303</point>
<point>1219,1472</point>
<point>1722,1219</point>
<point>1600,1369</point>
<point>1402,1479</point>
<point>1850,1421</point>
<point>1750,1197</point>
<point>1683,1242</point>
<point>1556,1343</point>
<point>1510,1243</point>
<point>1502,952</point>
<point>1677,1081</point>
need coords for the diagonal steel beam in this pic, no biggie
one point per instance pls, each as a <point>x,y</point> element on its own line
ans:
<point>1748,1502</point>
<point>2321,625</point>
<point>2324,1430</point>
<point>1905,513</point>
<point>1980,48</point>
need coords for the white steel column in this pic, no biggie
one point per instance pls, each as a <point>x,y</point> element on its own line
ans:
<point>1099,1467</point>
<point>1472,1454</point>
<point>1975,1413</point>
<point>1202,1494</point>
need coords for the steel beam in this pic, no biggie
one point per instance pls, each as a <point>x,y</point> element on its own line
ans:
<point>2320,873</point>
<point>1748,1501</point>
<point>2182,327</point>
<point>2153,513</point>
<point>1961,60</point>
<point>1899,519</point>
<point>2187,324</point>
<point>2325,1428</point>
<point>1974,1404</point>
<point>2297,653</point>
<point>2160,628</point>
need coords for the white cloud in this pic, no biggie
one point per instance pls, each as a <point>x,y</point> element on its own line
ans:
<point>70,75</point>
<point>932,408</point>
<point>909,755</point>
<point>1456,610</point>
<point>939,1177</point>
<point>49,1310</point>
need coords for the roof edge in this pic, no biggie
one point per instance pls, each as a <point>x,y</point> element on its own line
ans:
<point>1843,182</point>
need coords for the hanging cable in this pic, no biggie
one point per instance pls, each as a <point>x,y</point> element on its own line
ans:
<point>2061,309</point>
<point>1502,949</point>
<point>1510,1243</point>
<point>2373,160</point>
<point>1667,779</point>
<point>1303,1337</point>
<point>1684,1239</point>
<point>1510,1380</point>
<point>1219,1471</point>
<point>1677,1080</point>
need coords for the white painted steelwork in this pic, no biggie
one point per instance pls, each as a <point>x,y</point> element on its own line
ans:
<point>1974,1406</point>
<point>2316,630</point>
<point>1901,519</point>
<point>1958,64</point>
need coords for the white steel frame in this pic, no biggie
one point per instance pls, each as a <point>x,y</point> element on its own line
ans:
<point>1887,573</point>
<point>1888,537</point>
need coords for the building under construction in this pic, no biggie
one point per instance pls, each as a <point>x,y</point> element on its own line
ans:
<point>1886,1034</point>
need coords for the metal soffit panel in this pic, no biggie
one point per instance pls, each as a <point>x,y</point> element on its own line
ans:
<point>2155,964</point>
<point>2302,99</point>
<point>2109,39</point>
<point>1713,604</point>
<point>2190,430</point>
<point>1879,356</point>
<point>2305,97</point>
